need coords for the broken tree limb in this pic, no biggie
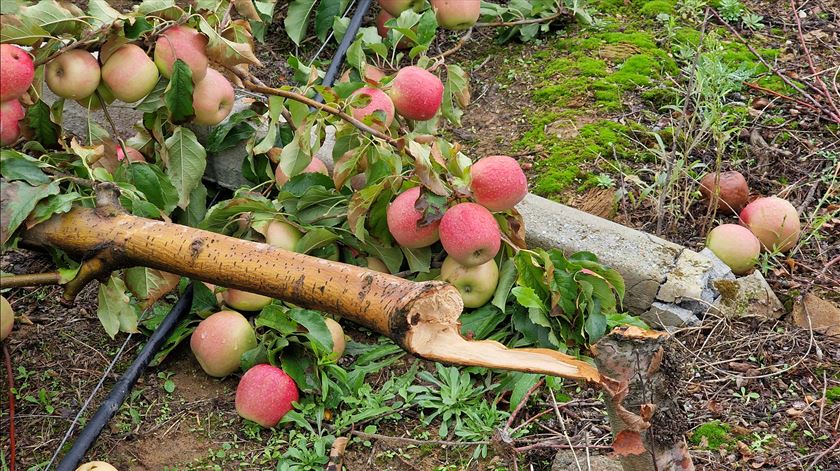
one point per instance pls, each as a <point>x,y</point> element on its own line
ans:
<point>648,424</point>
<point>420,317</point>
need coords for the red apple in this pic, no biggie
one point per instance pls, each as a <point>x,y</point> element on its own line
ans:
<point>129,73</point>
<point>395,7</point>
<point>733,192</point>
<point>402,220</point>
<point>417,93</point>
<point>74,74</point>
<point>185,43</point>
<point>456,14</point>
<point>134,155</point>
<point>735,246</point>
<point>16,72</point>
<point>774,221</point>
<point>212,99</point>
<point>316,165</point>
<point>498,183</point>
<point>372,74</point>
<point>220,340</point>
<point>11,112</point>
<point>470,234</point>
<point>265,394</point>
<point>379,101</point>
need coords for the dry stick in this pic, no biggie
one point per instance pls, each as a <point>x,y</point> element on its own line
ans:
<point>823,454</point>
<point>461,42</point>
<point>337,454</point>
<point>414,441</point>
<point>531,21</point>
<point>11,379</point>
<point>563,425</point>
<point>523,401</point>
<point>756,86</point>
<point>773,69</point>
<point>561,446</point>
<point>29,279</point>
<point>807,52</point>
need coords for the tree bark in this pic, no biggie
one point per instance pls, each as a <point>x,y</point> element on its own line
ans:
<point>420,317</point>
<point>648,424</point>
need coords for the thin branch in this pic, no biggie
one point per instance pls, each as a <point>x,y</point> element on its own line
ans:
<point>559,445</point>
<point>414,441</point>
<point>461,42</point>
<point>111,123</point>
<point>823,454</point>
<point>29,279</point>
<point>498,24</point>
<point>807,53</point>
<point>524,401</point>
<point>756,86</point>
<point>11,378</point>
<point>85,40</point>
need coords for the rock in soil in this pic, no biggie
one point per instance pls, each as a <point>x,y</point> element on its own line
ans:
<point>565,461</point>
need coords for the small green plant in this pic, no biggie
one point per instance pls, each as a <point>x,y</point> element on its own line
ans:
<point>168,384</point>
<point>452,396</point>
<point>752,21</point>
<point>746,396</point>
<point>714,434</point>
<point>604,181</point>
<point>731,10</point>
<point>760,441</point>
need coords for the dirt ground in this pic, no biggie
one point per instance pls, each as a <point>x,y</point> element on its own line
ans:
<point>758,393</point>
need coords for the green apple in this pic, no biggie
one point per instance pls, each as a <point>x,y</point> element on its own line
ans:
<point>476,284</point>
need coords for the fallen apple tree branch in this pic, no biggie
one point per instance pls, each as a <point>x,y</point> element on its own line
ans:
<point>29,279</point>
<point>421,317</point>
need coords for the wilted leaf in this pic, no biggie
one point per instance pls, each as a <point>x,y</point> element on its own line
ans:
<point>225,51</point>
<point>115,310</point>
<point>102,12</point>
<point>23,30</point>
<point>628,443</point>
<point>17,200</point>
<point>431,207</point>
<point>149,285</point>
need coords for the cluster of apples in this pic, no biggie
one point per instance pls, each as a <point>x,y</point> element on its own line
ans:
<point>16,74</point>
<point>770,223</point>
<point>450,14</point>
<point>467,231</point>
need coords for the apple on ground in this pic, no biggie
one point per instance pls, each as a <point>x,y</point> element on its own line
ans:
<point>265,394</point>
<point>316,165</point>
<point>402,218</point>
<point>134,155</point>
<point>212,99</point>
<point>456,14</point>
<point>7,318</point>
<point>96,466</point>
<point>498,183</point>
<point>735,246</point>
<point>733,192</point>
<point>282,235</point>
<point>220,340</point>
<point>11,112</point>
<point>379,101</point>
<point>470,234</point>
<point>185,43</point>
<point>244,301</point>
<point>372,74</point>
<point>383,30</point>
<point>129,73</point>
<point>16,72</point>
<point>74,74</point>
<point>416,93</point>
<point>395,7</point>
<point>476,284</point>
<point>337,333</point>
<point>774,221</point>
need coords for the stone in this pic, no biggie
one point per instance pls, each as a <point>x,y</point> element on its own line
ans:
<point>687,278</point>
<point>747,296</point>
<point>565,460</point>
<point>818,314</point>
<point>668,316</point>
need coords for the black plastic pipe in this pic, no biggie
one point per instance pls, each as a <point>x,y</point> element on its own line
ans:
<point>125,384</point>
<point>349,35</point>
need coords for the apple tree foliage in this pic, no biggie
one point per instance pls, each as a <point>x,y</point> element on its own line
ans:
<point>543,298</point>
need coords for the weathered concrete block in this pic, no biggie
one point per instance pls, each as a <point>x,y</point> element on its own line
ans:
<point>642,259</point>
<point>747,296</point>
<point>667,316</point>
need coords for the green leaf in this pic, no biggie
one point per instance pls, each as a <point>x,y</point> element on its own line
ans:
<point>327,10</point>
<point>419,260</point>
<point>50,206</point>
<point>54,17</point>
<point>507,278</point>
<point>219,215</point>
<point>18,166</point>
<point>622,318</point>
<point>154,100</point>
<point>154,184</point>
<point>522,385</point>
<point>197,209</point>
<point>20,29</point>
<point>17,200</point>
<point>148,284</point>
<point>136,26</point>
<point>456,83</point>
<point>482,322</point>
<point>44,130</point>
<point>187,160</point>
<point>315,239</point>
<point>297,19</point>
<point>528,298</point>
<point>115,311</point>
<point>313,322</point>
<point>231,132</point>
<point>595,325</point>
<point>102,12</point>
<point>179,93</point>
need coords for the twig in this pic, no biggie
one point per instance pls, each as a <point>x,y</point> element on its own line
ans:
<point>523,401</point>
<point>756,86</point>
<point>83,41</point>
<point>811,65</point>
<point>823,454</point>
<point>497,24</point>
<point>563,425</point>
<point>414,441</point>
<point>111,122</point>
<point>452,50</point>
<point>29,279</point>
<point>337,454</point>
<point>561,446</point>
<point>11,379</point>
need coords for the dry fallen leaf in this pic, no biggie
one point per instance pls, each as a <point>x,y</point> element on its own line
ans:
<point>628,443</point>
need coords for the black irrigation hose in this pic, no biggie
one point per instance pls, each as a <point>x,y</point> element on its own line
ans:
<point>115,399</point>
<point>346,41</point>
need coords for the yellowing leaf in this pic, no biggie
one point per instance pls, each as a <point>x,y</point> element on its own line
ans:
<point>225,51</point>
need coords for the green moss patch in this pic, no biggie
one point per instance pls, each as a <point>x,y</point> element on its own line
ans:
<point>714,434</point>
<point>656,7</point>
<point>833,395</point>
